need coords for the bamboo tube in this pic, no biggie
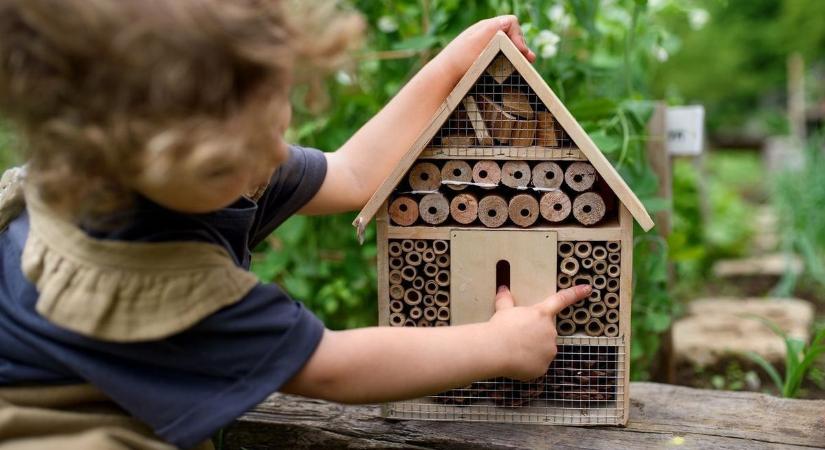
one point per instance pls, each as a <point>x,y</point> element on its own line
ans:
<point>565,327</point>
<point>565,249</point>
<point>412,297</point>
<point>587,263</point>
<point>614,246</point>
<point>428,300</point>
<point>523,133</point>
<point>546,133</point>
<point>523,210</point>
<point>394,248</point>
<point>396,306</point>
<point>443,314</point>
<point>430,269</point>
<point>428,255</point>
<point>581,316</point>
<point>430,313</point>
<point>395,277</point>
<point>599,281</point>
<point>418,283</point>
<point>612,316</point>
<point>595,296</point>
<point>407,245</point>
<point>594,327</point>
<point>464,208</point>
<point>434,208</point>
<point>614,270</point>
<point>440,247</point>
<point>423,322</point>
<point>580,176</point>
<point>582,279</point>
<point>498,121</point>
<point>611,300</point>
<point>420,245</point>
<point>456,174</point>
<point>442,261</point>
<point>403,211</point>
<point>566,313</point>
<point>397,319</point>
<point>477,121</point>
<point>425,176</point>
<point>588,208</point>
<point>614,258</point>
<point>516,103</point>
<point>413,259</point>
<point>599,252</point>
<point>442,298</point>
<point>597,309</point>
<point>492,211</point>
<point>416,312</point>
<point>583,249</point>
<point>443,278</point>
<point>515,174</point>
<point>396,292</point>
<point>457,140</point>
<point>612,285</point>
<point>408,273</point>
<point>599,267</point>
<point>441,323</point>
<point>569,266</point>
<point>564,281</point>
<point>410,323</point>
<point>396,263</point>
<point>547,175</point>
<point>487,173</point>
<point>555,206</point>
<point>611,330</point>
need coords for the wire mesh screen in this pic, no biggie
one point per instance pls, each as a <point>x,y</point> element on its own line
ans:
<point>501,109</point>
<point>584,385</point>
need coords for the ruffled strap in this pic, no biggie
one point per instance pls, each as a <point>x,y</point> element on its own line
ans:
<point>125,291</point>
<point>12,202</point>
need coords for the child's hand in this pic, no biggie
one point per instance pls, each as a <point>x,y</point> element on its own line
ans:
<point>460,54</point>
<point>528,334</point>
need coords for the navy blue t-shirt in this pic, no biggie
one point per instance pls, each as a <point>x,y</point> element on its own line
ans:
<point>190,384</point>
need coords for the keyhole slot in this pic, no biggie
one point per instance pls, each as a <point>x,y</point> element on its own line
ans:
<point>503,273</point>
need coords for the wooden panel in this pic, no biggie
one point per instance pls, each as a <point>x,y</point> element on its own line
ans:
<point>474,254</point>
<point>626,292</point>
<point>521,153</point>
<point>382,259</point>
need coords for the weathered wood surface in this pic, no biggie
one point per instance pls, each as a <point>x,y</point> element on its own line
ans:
<point>662,416</point>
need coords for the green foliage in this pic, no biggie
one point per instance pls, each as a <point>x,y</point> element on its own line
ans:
<point>799,360</point>
<point>8,156</point>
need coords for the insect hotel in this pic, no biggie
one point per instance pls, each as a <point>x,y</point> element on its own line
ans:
<point>504,187</point>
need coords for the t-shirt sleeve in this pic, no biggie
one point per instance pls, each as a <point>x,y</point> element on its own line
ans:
<point>292,186</point>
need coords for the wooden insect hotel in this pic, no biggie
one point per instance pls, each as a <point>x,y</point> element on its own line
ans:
<point>505,187</point>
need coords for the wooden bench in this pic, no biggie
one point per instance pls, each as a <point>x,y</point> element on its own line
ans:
<point>662,416</point>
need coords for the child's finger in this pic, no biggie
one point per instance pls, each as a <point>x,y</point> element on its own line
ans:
<point>504,299</point>
<point>510,26</point>
<point>565,298</point>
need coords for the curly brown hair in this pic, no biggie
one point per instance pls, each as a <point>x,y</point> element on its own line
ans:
<point>107,92</point>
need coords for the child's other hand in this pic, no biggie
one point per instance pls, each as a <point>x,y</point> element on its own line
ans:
<point>460,54</point>
<point>526,336</point>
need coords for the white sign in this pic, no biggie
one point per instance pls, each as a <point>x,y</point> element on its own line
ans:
<point>685,127</point>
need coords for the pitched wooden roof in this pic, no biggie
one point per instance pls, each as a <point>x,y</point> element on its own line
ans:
<point>501,43</point>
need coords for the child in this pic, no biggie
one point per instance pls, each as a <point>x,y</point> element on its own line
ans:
<point>155,161</point>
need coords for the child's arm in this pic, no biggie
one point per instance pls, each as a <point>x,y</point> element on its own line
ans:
<point>356,170</point>
<point>382,364</point>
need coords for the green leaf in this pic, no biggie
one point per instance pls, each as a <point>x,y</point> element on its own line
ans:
<point>768,368</point>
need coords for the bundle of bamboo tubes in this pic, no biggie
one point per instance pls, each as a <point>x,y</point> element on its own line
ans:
<point>419,284</point>
<point>589,262</point>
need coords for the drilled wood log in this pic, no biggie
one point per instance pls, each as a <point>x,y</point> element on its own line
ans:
<point>500,69</point>
<point>588,208</point>
<point>612,316</point>
<point>555,206</point>
<point>611,300</point>
<point>499,122</point>
<point>515,174</point>
<point>565,327</point>
<point>594,327</point>
<point>456,174</point>
<point>403,211</point>
<point>424,176</point>
<point>487,173</point>
<point>583,249</point>
<point>547,175</point>
<point>580,176</point>
<point>611,330</point>
<point>546,133</point>
<point>564,281</point>
<point>569,266</point>
<point>455,140</point>
<point>523,133</point>
<point>434,208</point>
<point>492,211</point>
<point>566,249</point>
<point>523,210</point>
<point>464,208</point>
<point>597,309</point>
<point>476,120</point>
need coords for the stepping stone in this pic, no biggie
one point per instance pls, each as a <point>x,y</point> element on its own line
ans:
<point>718,328</point>
<point>771,265</point>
